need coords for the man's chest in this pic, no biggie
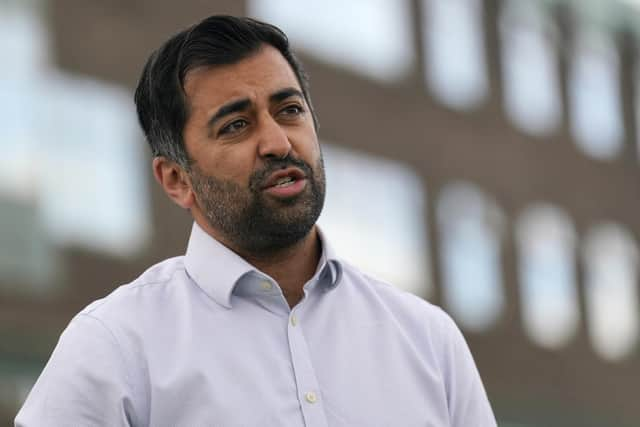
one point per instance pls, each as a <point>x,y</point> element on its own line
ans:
<point>290,371</point>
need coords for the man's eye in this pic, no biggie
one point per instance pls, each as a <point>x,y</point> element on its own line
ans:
<point>234,126</point>
<point>292,110</point>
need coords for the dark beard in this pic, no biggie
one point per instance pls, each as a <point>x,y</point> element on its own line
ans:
<point>252,222</point>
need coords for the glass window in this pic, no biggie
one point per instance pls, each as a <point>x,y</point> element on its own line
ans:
<point>531,89</point>
<point>375,216</point>
<point>471,226</point>
<point>98,199</point>
<point>595,96</point>
<point>72,150</point>
<point>372,37</point>
<point>455,53</point>
<point>611,264</point>
<point>27,256</point>
<point>546,268</point>
<point>24,39</point>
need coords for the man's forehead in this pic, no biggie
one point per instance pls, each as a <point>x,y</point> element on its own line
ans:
<point>259,74</point>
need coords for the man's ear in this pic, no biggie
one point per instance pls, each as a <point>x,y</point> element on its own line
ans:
<point>174,181</point>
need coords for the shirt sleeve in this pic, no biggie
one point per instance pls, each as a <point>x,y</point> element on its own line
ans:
<point>466,397</point>
<point>83,384</point>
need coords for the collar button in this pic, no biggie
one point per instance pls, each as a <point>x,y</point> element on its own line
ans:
<point>266,285</point>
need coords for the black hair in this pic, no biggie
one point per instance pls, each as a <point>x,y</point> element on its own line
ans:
<point>217,40</point>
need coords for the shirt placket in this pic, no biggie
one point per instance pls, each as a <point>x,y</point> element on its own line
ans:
<point>309,393</point>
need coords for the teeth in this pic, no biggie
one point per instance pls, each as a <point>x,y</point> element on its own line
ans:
<point>283,182</point>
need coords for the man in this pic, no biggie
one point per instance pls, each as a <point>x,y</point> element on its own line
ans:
<point>259,324</point>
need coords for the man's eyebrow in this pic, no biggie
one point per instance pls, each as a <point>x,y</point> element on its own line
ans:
<point>243,104</point>
<point>285,93</point>
<point>230,108</point>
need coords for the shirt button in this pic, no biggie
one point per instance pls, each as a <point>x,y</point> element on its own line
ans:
<point>294,320</point>
<point>266,285</point>
<point>311,397</point>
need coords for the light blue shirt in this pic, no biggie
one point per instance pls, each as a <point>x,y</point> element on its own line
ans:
<point>208,340</point>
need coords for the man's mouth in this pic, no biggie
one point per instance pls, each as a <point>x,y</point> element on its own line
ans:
<point>284,178</point>
<point>285,183</point>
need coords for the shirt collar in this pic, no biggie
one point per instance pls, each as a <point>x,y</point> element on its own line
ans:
<point>217,269</point>
<point>329,259</point>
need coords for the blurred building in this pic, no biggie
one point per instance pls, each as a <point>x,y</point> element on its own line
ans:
<point>483,154</point>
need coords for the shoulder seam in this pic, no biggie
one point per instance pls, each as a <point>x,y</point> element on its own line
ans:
<point>159,281</point>
<point>131,285</point>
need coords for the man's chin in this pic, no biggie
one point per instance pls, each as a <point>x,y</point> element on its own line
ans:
<point>277,237</point>
<point>278,227</point>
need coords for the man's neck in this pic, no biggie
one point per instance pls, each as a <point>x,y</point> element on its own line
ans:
<point>290,267</point>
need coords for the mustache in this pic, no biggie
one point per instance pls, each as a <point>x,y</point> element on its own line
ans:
<point>272,165</point>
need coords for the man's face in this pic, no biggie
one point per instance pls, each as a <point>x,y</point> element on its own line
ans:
<point>257,175</point>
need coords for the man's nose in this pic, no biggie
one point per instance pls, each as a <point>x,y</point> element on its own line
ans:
<point>274,141</point>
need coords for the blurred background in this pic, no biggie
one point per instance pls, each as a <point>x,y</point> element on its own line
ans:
<point>482,154</point>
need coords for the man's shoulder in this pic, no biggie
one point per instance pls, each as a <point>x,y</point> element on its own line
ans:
<point>396,300</point>
<point>150,285</point>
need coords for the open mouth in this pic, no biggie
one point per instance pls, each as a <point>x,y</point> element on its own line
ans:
<point>285,183</point>
<point>284,178</point>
